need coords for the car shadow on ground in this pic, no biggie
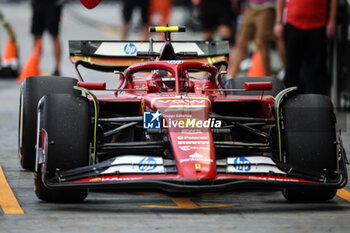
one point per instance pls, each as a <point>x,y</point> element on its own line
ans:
<point>210,203</point>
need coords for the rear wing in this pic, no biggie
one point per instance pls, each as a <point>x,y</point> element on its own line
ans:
<point>126,53</point>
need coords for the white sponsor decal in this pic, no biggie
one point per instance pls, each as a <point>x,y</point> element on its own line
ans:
<point>182,101</point>
<point>193,142</point>
<point>272,179</point>
<point>118,48</point>
<point>177,108</point>
<point>179,100</point>
<point>201,87</point>
<point>175,62</point>
<point>187,148</point>
<point>192,131</point>
<point>253,164</point>
<point>192,137</point>
<point>142,87</point>
<point>196,155</point>
<point>136,164</point>
<point>180,104</point>
<point>118,179</point>
<point>203,160</point>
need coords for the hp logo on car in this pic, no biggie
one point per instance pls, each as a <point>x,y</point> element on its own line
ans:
<point>130,49</point>
<point>147,164</point>
<point>175,62</point>
<point>242,164</point>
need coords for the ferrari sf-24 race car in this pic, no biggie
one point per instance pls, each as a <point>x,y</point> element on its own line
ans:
<point>171,124</point>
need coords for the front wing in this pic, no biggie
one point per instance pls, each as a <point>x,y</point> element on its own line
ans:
<point>130,173</point>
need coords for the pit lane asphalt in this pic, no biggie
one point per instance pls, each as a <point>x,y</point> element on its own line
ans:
<point>240,211</point>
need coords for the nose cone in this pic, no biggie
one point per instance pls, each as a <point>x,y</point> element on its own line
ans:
<point>189,129</point>
<point>194,153</point>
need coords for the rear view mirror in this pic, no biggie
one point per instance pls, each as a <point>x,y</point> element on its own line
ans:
<point>258,86</point>
<point>220,78</point>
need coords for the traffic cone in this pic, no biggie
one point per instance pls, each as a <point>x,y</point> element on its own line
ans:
<point>31,68</point>
<point>256,69</point>
<point>10,55</point>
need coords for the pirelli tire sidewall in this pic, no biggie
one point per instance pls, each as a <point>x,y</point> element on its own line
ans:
<point>308,136</point>
<point>66,120</point>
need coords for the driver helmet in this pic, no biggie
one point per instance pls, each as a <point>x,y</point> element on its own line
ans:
<point>165,81</point>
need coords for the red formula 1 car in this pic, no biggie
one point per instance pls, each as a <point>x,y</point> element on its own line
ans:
<point>171,124</point>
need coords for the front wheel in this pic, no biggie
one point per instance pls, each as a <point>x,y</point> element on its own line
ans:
<point>65,122</point>
<point>32,89</point>
<point>309,137</point>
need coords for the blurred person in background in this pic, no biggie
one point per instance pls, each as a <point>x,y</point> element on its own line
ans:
<point>308,25</point>
<point>128,7</point>
<point>257,24</point>
<point>46,16</point>
<point>163,8</point>
<point>217,15</point>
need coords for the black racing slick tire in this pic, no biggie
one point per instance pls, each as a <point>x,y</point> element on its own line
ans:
<point>309,137</point>
<point>32,89</point>
<point>65,120</point>
<point>238,83</point>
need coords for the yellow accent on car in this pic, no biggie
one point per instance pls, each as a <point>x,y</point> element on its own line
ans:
<point>142,105</point>
<point>167,29</point>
